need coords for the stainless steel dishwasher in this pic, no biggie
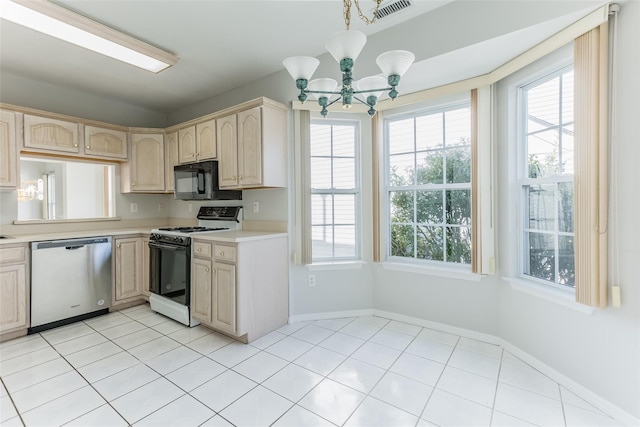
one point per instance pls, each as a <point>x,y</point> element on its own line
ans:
<point>70,281</point>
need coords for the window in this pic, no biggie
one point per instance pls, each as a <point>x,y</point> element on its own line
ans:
<point>546,179</point>
<point>335,190</point>
<point>428,186</point>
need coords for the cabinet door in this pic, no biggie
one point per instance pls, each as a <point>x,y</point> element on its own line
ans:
<point>206,140</point>
<point>128,281</point>
<point>171,158</point>
<point>147,162</point>
<point>201,289</point>
<point>250,147</point>
<point>8,150</point>
<point>50,134</point>
<point>13,298</point>
<point>226,131</point>
<point>224,297</point>
<point>107,143</point>
<point>187,144</point>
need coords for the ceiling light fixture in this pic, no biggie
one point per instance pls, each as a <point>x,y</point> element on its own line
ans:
<point>345,46</point>
<point>71,27</point>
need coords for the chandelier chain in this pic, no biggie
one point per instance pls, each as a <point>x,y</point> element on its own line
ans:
<point>347,12</point>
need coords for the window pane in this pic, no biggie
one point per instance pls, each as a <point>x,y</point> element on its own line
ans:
<point>322,241</point>
<point>543,101</point>
<point>401,206</point>
<point>567,150</point>
<point>429,207</point>
<point>401,134</point>
<point>565,207</point>
<point>320,172</point>
<point>459,245</point>
<point>542,206</point>
<point>321,209</point>
<point>401,170</point>
<point>566,267</point>
<point>430,167</point>
<point>457,127</point>
<point>429,134</point>
<point>541,256</point>
<point>345,241</point>
<point>320,140</point>
<point>402,240</point>
<point>458,164</point>
<point>344,173</point>
<point>344,209</point>
<point>542,148</point>
<point>344,141</point>
<point>458,207</point>
<point>430,243</point>
<point>567,97</point>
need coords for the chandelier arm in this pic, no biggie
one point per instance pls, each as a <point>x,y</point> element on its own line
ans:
<point>324,92</point>
<point>334,101</point>
<point>372,90</point>
<point>361,101</point>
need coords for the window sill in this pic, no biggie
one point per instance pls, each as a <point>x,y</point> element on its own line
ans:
<point>450,273</point>
<point>343,265</point>
<point>557,296</point>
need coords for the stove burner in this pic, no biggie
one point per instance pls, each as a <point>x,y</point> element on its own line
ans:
<point>192,229</point>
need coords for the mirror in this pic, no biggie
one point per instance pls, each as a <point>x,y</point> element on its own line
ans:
<point>52,189</point>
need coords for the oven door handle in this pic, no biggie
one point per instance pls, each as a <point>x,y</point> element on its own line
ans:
<point>167,247</point>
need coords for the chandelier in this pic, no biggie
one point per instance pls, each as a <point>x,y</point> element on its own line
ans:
<point>345,46</point>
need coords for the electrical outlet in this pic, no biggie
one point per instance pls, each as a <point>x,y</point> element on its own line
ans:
<point>256,207</point>
<point>133,207</point>
<point>312,280</point>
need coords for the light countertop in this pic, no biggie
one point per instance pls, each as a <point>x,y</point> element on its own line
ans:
<point>234,236</point>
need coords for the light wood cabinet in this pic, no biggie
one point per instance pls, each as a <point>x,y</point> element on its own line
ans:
<point>8,151</point>
<point>145,270</point>
<point>50,135</point>
<point>144,172</point>
<point>252,148</point>
<point>198,142</point>
<point>105,143</point>
<point>171,158</point>
<point>128,283</point>
<point>14,291</point>
<point>241,288</point>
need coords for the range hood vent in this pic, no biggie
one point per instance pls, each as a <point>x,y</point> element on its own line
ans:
<point>392,8</point>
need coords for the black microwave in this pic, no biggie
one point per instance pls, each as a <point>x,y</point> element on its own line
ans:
<point>199,181</point>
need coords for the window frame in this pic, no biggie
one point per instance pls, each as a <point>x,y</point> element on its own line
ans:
<point>357,191</point>
<point>456,102</point>
<point>523,180</point>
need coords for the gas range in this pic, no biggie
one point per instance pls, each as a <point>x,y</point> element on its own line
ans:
<point>210,219</point>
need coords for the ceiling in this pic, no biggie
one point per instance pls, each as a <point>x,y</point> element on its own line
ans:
<point>225,44</point>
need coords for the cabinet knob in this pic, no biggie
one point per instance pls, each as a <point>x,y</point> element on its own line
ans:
<point>199,249</point>
<point>233,177</point>
<point>206,269</point>
<point>133,184</point>
<point>118,245</point>
<point>75,145</point>
<point>221,253</point>
<point>239,176</point>
<point>215,271</point>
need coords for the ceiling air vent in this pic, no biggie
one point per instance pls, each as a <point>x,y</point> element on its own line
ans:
<point>393,7</point>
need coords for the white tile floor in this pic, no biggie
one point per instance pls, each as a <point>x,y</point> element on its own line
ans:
<point>136,367</point>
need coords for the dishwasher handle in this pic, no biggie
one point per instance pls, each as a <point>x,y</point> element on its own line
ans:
<point>69,244</point>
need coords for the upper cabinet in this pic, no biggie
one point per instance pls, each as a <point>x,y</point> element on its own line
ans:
<point>8,150</point>
<point>43,133</point>
<point>144,172</point>
<point>171,158</point>
<point>107,143</point>
<point>198,142</point>
<point>253,147</point>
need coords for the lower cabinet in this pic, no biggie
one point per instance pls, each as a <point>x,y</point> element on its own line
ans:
<point>14,291</point>
<point>128,269</point>
<point>240,288</point>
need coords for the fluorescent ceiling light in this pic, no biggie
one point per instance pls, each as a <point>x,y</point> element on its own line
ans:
<point>56,21</point>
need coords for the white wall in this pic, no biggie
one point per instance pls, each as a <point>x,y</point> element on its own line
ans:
<point>599,351</point>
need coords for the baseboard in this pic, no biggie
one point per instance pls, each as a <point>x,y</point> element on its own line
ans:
<point>584,393</point>
<point>589,396</point>
<point>329,315</point>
